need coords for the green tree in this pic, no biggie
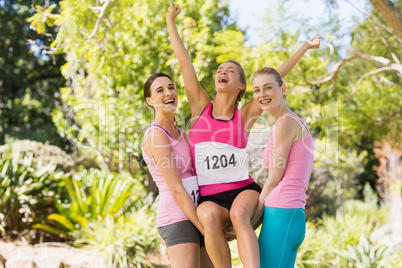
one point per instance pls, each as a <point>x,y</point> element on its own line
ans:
<point>29,80</point>
<point>110,50</point>
<point>372,76</point>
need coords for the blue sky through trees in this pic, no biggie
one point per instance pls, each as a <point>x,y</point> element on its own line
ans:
<point>249,14</point>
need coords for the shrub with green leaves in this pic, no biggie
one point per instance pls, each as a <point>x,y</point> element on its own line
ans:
<point>311,253</point>
<point>108,212</point>
<point>41,152</point>
<point>93,195</point>
<point>348,239</point>
<point>334,178</point>
<point>27,191</point>
<point>365,253</point>
<point>124,241</point>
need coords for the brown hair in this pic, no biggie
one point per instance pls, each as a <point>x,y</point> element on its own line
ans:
<point>243,80</point>
<point>148,83</point>
<point>269,70</point>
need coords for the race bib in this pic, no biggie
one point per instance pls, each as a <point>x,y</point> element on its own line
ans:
<point>191,186</point>
<point>220,163</point>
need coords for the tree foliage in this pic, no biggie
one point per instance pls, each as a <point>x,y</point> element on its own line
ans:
<point>110,50</point>
<point>29,81</point>
<point>367,85</point>
<point>28,191</point>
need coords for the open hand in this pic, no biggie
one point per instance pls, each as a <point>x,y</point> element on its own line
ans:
<point>314,43</point>
<point>229,233</point>
<point>173,11</point>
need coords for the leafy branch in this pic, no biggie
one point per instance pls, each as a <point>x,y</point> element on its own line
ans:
<point>101,11</point>
<point>333,76</point>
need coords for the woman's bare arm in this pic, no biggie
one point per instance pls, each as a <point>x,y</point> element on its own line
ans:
<point>197,97</point>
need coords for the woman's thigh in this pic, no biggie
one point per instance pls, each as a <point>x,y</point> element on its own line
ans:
<point>282,233</point>
<point>244,205</point>
<point>186,255</point>
<point>179,233</point>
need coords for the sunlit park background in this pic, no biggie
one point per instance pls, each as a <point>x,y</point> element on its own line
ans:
<point>72,116</point>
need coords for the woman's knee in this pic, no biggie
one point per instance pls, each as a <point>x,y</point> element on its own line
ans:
<point>209,217</point>
<point>239,216</point>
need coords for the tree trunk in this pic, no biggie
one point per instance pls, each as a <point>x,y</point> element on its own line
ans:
<point>391,14</point>
<point>151,186</point>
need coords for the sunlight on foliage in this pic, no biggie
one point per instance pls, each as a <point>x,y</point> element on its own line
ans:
<point>125,241</point>
<point>348,239</point>
<point>27,189</point>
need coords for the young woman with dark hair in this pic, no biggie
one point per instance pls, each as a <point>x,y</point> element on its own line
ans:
<point>167,153</point>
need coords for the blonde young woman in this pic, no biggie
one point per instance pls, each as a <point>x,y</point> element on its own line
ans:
<point>218,137</point>
<point>289,159</point>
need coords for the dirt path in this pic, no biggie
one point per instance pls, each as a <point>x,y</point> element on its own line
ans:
<point>56,255</point>
<point>48,255</point>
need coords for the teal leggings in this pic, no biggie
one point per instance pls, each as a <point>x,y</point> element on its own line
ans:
<point>282,233</point>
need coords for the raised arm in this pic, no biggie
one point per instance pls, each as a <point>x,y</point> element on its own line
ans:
<point>251,110</point>
<point>287,66</point>
<point>196,95</point>
<point>159,146</point>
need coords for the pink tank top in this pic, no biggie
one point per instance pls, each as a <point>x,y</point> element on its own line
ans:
<point>168,211</point>
<point>218,153</point>
<point>291,189</point>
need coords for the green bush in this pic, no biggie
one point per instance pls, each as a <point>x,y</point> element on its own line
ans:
<point>312,253</point>
<point>370,211</point>
<point>345,239</point>
<point>107,212</point>
<point>334,179</point>
<point>365,254</point>
<point>93,195</point>
<point>27,191</point>
<point>41,152</point>
<point>124,241</point>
